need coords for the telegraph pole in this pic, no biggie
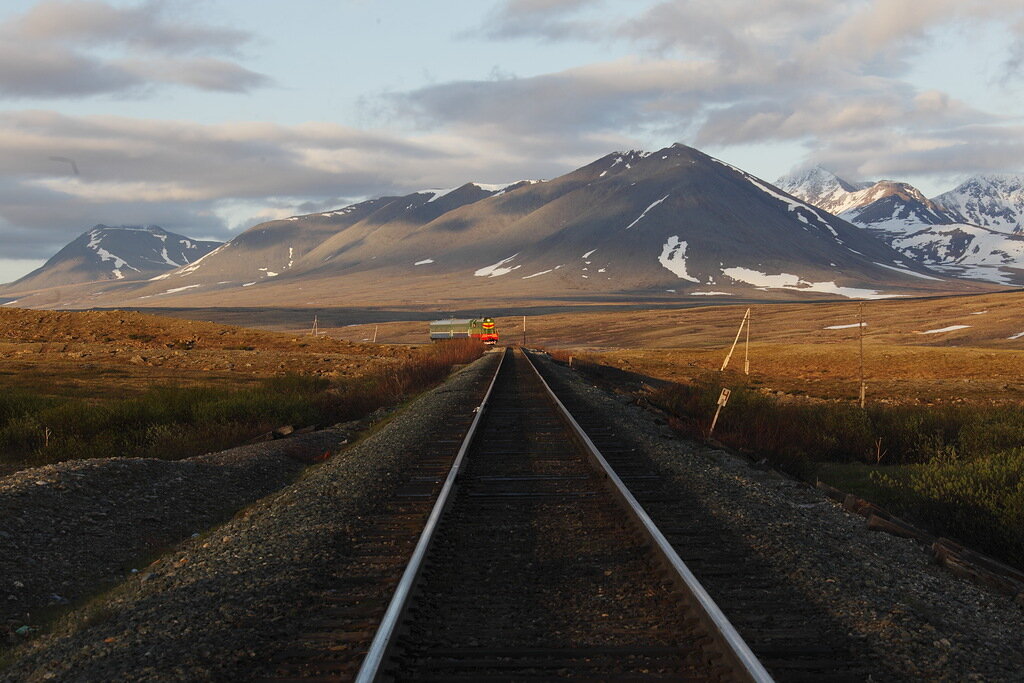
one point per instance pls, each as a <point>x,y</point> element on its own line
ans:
<point>860,326</point>
<point>524,331</point>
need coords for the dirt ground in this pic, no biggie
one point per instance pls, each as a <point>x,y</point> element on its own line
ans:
<point>110,354</point>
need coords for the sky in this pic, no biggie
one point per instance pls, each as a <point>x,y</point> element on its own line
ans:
<point>207,117</point>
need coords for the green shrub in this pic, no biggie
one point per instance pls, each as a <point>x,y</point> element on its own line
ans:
<point>962,471</point>
<point>980,502</point>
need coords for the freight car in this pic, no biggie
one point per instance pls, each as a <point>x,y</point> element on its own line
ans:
<point>474,328</point>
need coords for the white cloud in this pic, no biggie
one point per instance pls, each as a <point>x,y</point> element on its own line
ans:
<point>78,48</point>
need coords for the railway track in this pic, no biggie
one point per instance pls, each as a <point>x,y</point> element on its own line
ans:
<point>534,566</point>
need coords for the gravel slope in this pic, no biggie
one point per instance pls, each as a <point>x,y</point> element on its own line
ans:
<point>73,528</point>
<point>207,610</point>
<point>915,619</point>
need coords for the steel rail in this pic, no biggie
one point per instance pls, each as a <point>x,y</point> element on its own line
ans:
<point>382,640</point>
<point>735,648</point>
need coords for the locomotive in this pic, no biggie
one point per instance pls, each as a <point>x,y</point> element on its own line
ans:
<point>475,328</point>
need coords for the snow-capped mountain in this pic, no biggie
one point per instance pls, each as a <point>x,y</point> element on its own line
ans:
<point>992,201</point>
<point>115,253</point>
<point>674,225</point>
<point>896,208</point>
<point>885,205</point>
<point>823,189</point>
<point>933,232</point>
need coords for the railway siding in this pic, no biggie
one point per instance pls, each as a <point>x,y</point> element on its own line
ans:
<point>905,617</point>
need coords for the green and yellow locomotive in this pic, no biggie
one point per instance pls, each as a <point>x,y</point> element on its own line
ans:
<point>471,328</point>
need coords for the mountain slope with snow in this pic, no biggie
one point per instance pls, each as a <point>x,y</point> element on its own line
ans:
<point>114,253</point>
<point>964,250</point>
<point>937,233</point>
<point>823,189</point>
<point>992,201</point>
<point>673,225</point>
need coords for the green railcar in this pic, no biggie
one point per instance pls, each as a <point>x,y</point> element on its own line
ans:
<point>470,328</point>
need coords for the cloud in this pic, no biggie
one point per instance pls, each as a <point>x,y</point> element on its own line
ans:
<point>546,19</point>
<point>81,48</point>
<point>735,72</point>
<point>972,149</point>
<point>210,180</point>
<point>95,22</point>
<point>203,73</point>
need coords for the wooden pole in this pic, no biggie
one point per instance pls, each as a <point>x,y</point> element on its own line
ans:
<point>375,333</point>
<point>735,341</point>
<point>860,326</point>
<point>746,348</point>
<point>524,331</point>
<point>723,398</point>
<point>315,330</point>
<point>714,420</point>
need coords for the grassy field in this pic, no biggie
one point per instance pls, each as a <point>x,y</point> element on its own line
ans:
<point>83,385</point>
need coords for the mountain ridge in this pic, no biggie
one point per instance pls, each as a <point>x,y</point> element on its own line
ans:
<point>670,224</point>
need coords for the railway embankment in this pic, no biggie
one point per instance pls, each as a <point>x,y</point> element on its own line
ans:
<point>914,620</point>
<point>219,602</point>
<point>75,528</point>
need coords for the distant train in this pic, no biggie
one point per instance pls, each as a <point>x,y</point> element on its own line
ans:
<point>474,328</point>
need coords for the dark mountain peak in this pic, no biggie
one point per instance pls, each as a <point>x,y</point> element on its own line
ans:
<point>122,252</point>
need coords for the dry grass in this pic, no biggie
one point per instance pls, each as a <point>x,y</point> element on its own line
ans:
<point>93,384</point>
<point>115,354</point>
<point>791,351</point>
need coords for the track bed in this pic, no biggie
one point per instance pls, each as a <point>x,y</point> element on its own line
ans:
<point>535,571</point>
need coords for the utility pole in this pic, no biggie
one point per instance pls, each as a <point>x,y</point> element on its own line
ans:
<point>745,321</point>
<point>524,331</point>
<point>375,333</point>
<point>746,348</point>
<point>860,326</point>
<point>315,328</point>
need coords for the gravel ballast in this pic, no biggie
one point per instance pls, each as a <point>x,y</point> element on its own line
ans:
<point>210,608</point>
<point>76,527</point>
<point>914,619</point>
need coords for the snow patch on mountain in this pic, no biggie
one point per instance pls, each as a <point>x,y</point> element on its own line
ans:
<point>951,328</point>
<point>790,281</point>
<point>543,272</point>
<point>641,216</point>
<point>497,269</point>
<point>673,257</point>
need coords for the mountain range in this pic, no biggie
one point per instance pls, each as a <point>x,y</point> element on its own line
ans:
<point>973,231</point>
<point>671,225</point>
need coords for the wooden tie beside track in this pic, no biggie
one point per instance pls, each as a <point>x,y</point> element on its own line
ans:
<point>537,569</point>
